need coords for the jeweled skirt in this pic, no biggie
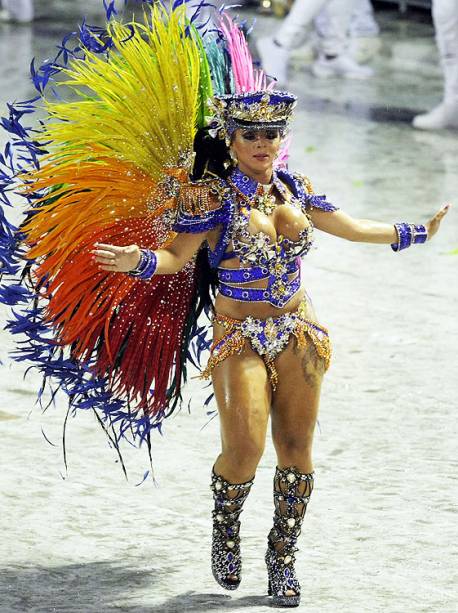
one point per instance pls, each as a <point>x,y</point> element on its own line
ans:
<point>267,337</point>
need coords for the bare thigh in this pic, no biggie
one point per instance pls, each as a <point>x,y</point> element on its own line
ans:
<point>243,396</point>
<point>295,404</point>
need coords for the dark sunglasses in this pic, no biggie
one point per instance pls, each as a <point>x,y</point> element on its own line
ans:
<point>268,133</point>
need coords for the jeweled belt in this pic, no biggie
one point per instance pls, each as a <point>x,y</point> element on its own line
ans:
<point>278,292</point>
<point>254,273</point>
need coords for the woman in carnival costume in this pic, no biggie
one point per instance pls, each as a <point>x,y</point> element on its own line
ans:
<point>158,185</point>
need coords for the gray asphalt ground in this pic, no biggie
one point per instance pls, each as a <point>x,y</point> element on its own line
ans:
<point>381,529</point>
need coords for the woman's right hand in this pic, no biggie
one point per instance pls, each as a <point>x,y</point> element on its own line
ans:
<point>116,259</point>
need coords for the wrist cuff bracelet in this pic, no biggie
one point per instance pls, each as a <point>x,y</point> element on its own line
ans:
<point>409,234</point>
<point>146,267</point>
<point>420,234</point>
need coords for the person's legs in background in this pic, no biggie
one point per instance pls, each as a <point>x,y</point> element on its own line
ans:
<point>275,50</point>
<point>364,33</point>
<point>332,27</point>
<point>20,11</point>
<point>445,115</point>
<point>4,13</point>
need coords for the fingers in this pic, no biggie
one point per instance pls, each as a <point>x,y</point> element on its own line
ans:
<point>440,213</point>
<point>105,259</point>
<point>112,258</point>
<point>103,254</point>
<point>111,248</point>
<point>106,256</point>
<point>443,211</point>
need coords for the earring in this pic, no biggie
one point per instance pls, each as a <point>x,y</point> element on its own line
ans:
<point>233,157</point>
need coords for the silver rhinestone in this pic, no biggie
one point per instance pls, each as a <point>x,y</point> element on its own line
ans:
<point>291,521</point>
<point>287,559</point>
<point>230,544</point>
<point>291,477</point>
<point>218,485</point>
<point>220,517</point>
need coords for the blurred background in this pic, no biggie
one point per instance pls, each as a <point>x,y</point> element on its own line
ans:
<point>353,40</point>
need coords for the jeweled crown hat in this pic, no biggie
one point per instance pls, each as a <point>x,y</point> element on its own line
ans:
<point>257,110</point>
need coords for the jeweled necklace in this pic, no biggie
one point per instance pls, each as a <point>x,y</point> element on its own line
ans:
<point>256,195</point>
<point>265,202</point>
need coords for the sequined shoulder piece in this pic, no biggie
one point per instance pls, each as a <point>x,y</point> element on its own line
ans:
<point>200,197</point>
<point>306,193</point>
<point>201,205</point>
<point>306,183</point>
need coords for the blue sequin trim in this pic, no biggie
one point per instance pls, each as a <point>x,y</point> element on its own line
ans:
<point>312,200</point>
<point>250,294</point>
<point>201,223</point>
<point>320,202</point>
<point>247,275</point>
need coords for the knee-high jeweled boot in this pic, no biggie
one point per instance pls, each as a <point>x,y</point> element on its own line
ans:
<point>226,559</point>
<point>292,490</point>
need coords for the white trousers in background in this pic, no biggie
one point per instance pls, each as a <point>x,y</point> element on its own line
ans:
<point>337,21</point>
<point>19,10</point>
<point>293,30</point>
<point>445,16</point>
<point>363,22</point>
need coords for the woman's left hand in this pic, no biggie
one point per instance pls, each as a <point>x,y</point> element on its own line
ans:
<point>432,226</point>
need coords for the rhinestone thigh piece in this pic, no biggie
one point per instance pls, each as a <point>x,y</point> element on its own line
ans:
<point>292,491</point>
<point>226,559</point>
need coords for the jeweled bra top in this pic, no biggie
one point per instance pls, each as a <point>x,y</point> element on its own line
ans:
<point>275,261</point>
<point>260,258</point>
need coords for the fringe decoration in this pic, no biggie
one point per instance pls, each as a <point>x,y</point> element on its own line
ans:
<point>230,343</point>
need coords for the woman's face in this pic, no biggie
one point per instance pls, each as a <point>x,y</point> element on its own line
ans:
<point>255,150</point>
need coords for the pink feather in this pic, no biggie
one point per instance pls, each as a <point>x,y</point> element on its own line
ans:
<point>247,78</point>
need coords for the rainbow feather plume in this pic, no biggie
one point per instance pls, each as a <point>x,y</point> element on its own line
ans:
<point>130,99</point>
<point>129,122</point>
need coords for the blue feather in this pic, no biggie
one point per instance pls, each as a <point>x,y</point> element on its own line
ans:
<point>110,8</point>
<point>144,478</point>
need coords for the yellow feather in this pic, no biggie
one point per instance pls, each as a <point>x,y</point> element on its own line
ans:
<point>139,105</point>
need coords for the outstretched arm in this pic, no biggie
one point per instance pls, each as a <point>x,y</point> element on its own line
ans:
<point>340,224</point>
<point>170,260</point>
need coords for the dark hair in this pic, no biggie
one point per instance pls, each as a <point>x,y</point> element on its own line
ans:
<point>212,155</point>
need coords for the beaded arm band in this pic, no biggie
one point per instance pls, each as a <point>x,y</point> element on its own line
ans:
<point>146,267</point>
<point>409,234</point>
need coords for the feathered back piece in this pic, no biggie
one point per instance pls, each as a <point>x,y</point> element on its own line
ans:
<point>137,104</point>
<point>127,130</point>
<point>115,149</point>
<point>133,121</point>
